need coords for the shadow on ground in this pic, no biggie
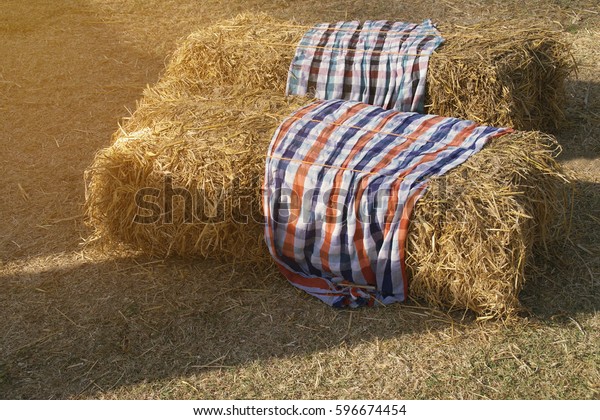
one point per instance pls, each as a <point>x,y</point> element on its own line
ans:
<point>567,280</point>
<point>580,136</point>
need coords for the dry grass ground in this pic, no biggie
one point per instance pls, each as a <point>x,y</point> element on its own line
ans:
<point>81,324</point>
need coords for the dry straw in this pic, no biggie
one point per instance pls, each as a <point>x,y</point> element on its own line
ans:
<point>205,128</point>
<point>214,149</point>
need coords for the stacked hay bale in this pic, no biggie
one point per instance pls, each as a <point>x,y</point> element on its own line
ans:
<point>500,73</point>
<point>205,128</point>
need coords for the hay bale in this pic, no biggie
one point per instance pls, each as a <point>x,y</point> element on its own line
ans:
<point>471,234</point>
<point>214,150</point>
<point>252,51</point>
<point>501,73</point>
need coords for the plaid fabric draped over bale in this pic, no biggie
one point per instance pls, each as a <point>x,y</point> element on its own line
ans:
<point>379,62</point>
<point>341,180</point>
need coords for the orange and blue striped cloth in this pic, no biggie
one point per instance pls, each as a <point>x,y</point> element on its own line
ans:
<point>341,180</point>
<point>378,62</point>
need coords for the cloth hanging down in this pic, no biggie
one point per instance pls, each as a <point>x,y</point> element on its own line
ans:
<point>379,62</point>
<point>340,183</point>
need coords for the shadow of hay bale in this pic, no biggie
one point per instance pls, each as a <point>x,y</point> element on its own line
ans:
<point>566,280</point>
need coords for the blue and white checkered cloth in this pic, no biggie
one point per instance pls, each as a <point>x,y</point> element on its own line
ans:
<point>379,62</point>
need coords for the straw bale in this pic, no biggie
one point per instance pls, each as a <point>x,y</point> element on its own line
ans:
<point>498,73</point>
<point>471,234</point>
<point>252,51</point>
<point>508,74</point>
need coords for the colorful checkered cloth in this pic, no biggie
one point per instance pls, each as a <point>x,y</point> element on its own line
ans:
<point>378,62</point>
<point>340,183</point>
